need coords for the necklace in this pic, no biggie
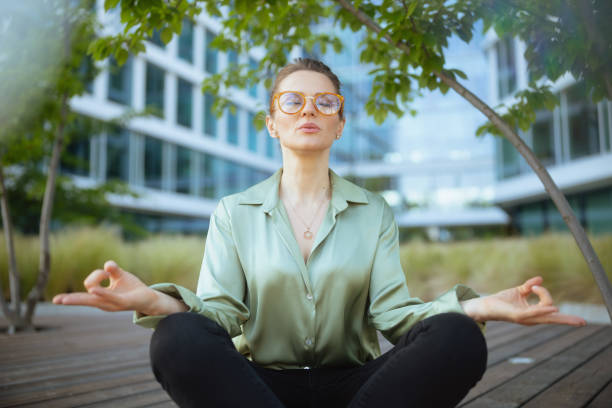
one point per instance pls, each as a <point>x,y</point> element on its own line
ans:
<point>308,233</point>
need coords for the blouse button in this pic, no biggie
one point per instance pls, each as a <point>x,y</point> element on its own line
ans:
<point>308,341</point>
<point>309,296</point>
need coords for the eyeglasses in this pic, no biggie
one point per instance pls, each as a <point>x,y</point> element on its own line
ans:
<point>292,102</point>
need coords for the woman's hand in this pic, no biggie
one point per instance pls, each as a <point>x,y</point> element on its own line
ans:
<point>125,291</point>
<point>511,305</point>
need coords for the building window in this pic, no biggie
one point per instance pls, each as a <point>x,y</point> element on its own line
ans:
<point>183,170</point>
<point>207,186</point>
<point>120,82</point>
<point>184,103</point>
<point>211,54</point>
<point>154,97</point>
<point>252,142</point>
<point>117,154</point>
<point>232,58</point>
<point>185,42</point>
<point>153,163</point>
<point>210,120</point>
<point>232,125</point>
<point>156,38</point>
<point>253,87</point>
<point>583,127</point>
<point>543,137</point>
<point>599,211</point>
<point>75,157</point>
<point>506,67</point>
<point>509,165</point>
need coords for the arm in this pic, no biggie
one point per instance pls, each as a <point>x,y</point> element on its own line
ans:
<point>392,310</point>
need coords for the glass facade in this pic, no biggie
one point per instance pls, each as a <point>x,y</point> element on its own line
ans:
<point>543,137</point>
<point>120,82</point>
<point>232,58</point>
<point>232,126</point>
<point>117,154</point>
<point>210,120</point>
<point>183,170</point>
<point>156,38</point>
<point>577,128</point>
<point>153,163</point>
<point>184,102</point>
<point>253,88</point>
<point>252,140</point>
<point>154,92</point>
<point>506,67</point>
<point>583,123</point>
<point>210,63</point>
<point>207,186</point>
<point>593,209</point>
<point>185,42</point>
<point>75,157</point>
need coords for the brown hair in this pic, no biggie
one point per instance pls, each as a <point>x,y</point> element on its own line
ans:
<point>304,64</point>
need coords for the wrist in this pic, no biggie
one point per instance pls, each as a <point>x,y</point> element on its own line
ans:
<point>475,308</point>
<point>163,304</point>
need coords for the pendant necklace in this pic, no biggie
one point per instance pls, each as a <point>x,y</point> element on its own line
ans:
<point>308,233</point>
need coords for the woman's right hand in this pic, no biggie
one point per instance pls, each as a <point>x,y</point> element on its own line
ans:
<point>125,291</point>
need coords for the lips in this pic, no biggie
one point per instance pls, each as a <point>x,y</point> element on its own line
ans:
<point>309,127</point>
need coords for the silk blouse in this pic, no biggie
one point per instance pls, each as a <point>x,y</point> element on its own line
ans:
<point>287,313</point>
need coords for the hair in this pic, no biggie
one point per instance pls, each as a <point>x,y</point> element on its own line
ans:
<point>304,64</point>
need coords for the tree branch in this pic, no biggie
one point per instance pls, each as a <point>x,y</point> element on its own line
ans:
<point>556,195</point>
<point>14,278</point>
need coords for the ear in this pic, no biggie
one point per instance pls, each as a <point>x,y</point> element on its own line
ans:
<point>271,126</point>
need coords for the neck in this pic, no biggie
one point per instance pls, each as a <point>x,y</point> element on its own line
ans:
<point>305,180</point>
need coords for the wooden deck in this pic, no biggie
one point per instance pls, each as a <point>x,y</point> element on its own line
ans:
<point>101,360</point>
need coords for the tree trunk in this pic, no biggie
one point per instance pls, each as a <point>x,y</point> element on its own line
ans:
<point>44,263</point>
<point>556,195</point>
<point>13,314</point>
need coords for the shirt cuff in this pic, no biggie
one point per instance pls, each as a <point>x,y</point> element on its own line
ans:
<point>193,302</point>
<point>450,301</point>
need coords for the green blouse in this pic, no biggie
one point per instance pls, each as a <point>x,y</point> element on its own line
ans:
<point>285,313</point>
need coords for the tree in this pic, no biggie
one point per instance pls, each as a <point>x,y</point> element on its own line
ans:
<point>404,43</point>
<point>40,75</point>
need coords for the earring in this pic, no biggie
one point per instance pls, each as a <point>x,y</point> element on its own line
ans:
<point>337,137</point>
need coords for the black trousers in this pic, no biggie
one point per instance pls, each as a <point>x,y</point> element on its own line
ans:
<point>433,365</point>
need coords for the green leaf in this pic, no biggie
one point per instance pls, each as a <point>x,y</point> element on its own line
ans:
<point>166,35</point>
<point>110,4</point>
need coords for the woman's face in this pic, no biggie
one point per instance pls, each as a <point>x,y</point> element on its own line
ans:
<point>307,130</point>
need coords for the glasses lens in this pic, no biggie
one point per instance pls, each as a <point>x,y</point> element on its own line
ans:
<point>290,102</point>
<point>328,104</point>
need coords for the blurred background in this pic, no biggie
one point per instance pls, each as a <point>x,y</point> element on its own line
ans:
<point>140,188</point>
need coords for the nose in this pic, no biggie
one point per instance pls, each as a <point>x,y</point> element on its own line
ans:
<point>309,106</point>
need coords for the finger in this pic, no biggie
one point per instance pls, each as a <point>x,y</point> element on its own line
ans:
<point>108,295</point>
<point>525,288</point>
<point>536,311</point>
<point>95,278</point>
<point>543,294</point>
<point>113,269</point>
<point>558,318</point>
<point>85,299</point>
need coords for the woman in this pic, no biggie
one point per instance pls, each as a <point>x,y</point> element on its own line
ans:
<point>302,269</point>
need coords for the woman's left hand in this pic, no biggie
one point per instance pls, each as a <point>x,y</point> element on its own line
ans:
<point>511,305</point>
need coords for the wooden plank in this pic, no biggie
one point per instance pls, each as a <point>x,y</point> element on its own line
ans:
<point>509,349</point>
<point>517,332</point>
<point>602,400</point>
<point>106,395</point>
<point>165,404</point>
<point>520,389</point>
<point>36,370</point>
<point>74,381</point>
<point>506,370</point>
<point>579,387</point>
<point>143,399</point>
